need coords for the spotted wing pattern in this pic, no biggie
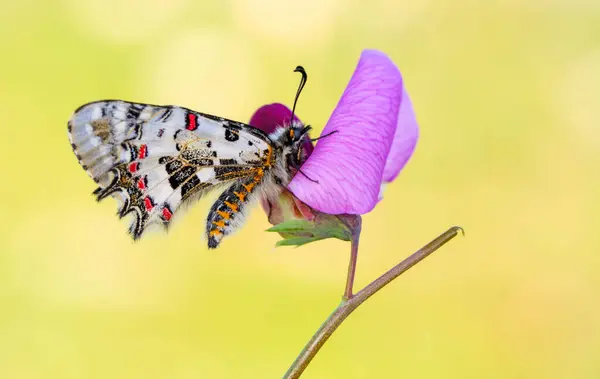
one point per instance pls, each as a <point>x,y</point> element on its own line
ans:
<point>153,159</point>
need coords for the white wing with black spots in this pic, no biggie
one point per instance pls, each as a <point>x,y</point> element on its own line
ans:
<point>154,158</point>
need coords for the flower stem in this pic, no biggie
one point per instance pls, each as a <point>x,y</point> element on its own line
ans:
<point>351,268</point>
<point>348,305</point>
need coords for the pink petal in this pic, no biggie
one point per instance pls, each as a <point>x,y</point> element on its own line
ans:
<point>268,117</point>
<point>349,164</point>
<point>405,139</point>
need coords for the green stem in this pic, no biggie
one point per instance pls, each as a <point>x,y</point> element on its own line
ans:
<point>351,268</point>
<point>349,305</point>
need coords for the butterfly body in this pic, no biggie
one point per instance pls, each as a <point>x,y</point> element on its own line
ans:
<point>156,159</point>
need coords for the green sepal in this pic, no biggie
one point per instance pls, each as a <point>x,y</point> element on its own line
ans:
<point>300,232</point>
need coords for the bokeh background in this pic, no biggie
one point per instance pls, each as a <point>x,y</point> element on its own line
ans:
<point>507,94</point>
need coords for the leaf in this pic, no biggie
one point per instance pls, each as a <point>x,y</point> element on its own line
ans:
<point>297,241</point>
<point>291,226</point>
<point>300,232</point>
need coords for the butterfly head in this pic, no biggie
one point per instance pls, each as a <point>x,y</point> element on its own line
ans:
<point>296,139</point>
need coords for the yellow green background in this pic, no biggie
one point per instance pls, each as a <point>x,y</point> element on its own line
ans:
<point>507,94</point>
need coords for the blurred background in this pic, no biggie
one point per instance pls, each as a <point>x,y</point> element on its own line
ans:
<point>507,94</point>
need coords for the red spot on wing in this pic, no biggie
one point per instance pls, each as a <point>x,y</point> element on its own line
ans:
<point>148,203</point>
<point>192,121</point>
<point>141,184</point>
<point>166,213</point>
<point>143,151</point>
<point>133,167</point>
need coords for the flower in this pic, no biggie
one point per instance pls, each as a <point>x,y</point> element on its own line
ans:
<point>376,134</point>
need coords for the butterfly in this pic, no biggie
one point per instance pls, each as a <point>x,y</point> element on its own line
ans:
<point>156,159</point>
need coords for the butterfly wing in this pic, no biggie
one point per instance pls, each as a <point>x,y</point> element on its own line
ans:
<point>153,159</point>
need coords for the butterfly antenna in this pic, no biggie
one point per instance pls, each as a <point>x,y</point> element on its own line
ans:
<point>301,70</point>
<point>326,135</point>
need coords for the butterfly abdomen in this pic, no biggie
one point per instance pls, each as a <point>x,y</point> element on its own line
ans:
<point>227,213</point>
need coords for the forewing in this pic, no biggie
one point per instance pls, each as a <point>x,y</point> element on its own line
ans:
<point>153,159</point>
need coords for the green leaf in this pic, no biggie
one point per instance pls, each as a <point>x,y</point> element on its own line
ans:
<point>300,232</point>
<point>297,241</point>
<point>291,226</point>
